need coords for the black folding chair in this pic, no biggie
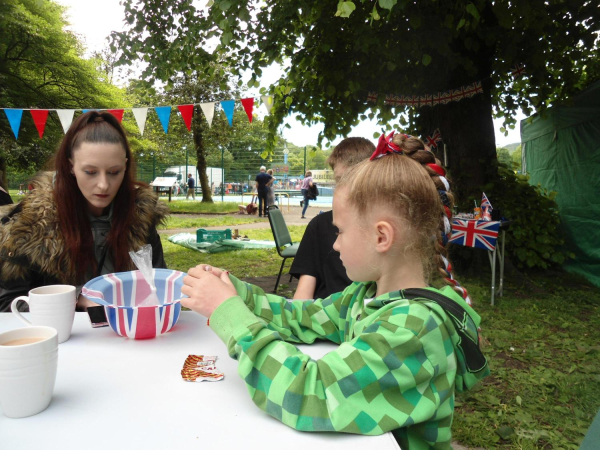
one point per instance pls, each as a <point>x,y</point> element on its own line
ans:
<point>283,241</point>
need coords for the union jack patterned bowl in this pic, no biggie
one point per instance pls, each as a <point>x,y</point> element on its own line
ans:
<point>121,294</point>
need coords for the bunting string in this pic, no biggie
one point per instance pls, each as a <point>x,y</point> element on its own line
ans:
<point>65,116</point>
<point>439,98</point>
<point>418,101</point>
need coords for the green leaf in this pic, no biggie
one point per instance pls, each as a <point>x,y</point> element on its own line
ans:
<point>224,6</point>
<point>374,14</point>
<point>244,15</point>
<point>387,4</point>
<point>519,400</point>
<point>391,65</point>
<point>226,38</point>
<point>460,24</point>
<point>472,9</point>
<point>505,432</point>
<point>345,9</point>
<point>426,59</point>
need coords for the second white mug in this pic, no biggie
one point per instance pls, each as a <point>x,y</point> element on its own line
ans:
<point>52,306</point>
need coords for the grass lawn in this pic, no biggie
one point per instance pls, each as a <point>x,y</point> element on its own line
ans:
<point>174,221</point>
<point>543,345</point>
<point>197,207</point>
<point>241,263</point>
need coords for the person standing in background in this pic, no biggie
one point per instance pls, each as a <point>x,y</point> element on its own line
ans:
<point>262,181</point>
<point>191,187</point>
<point>306,184</point>
<point>271,190</point>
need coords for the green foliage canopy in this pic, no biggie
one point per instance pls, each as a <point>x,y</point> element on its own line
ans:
<point>336,52</point>
<point>42,66</point>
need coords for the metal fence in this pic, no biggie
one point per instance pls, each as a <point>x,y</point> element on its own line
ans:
<point>239,170</point>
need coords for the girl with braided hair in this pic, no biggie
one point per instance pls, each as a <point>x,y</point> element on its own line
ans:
<point>416,149</point>
<point>404,348</point>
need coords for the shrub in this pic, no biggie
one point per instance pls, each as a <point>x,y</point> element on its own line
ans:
<point>534,238</point>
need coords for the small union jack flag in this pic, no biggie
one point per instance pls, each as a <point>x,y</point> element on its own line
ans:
<point>475,233</point>
<point>432,141</point>
<point>485,203</point>
<point>372,97</point>
<point>518,70</point>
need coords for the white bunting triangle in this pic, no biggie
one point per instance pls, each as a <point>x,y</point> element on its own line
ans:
<point>66,118</point>
<point>209,111</point>
<point>268,102</point>
<point>140,115</point>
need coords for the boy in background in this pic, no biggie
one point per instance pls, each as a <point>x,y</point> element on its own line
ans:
<point>317,266</point>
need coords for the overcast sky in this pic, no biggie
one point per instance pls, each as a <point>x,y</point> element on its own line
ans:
<point>93,22</point>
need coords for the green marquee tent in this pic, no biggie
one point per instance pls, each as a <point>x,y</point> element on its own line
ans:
<point>561,152</point>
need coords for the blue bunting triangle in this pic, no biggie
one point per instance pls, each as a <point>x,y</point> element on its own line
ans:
<point>164,113</point>
<point>14,118</point>
<point>228,106</point>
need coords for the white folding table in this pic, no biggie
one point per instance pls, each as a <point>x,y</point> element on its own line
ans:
<point>114,392</point>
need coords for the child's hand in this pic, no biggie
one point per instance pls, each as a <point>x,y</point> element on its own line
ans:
<point>207,287</point>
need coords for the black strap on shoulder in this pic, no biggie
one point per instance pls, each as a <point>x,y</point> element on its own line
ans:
<point>16,210</point>
<point>474,359</point>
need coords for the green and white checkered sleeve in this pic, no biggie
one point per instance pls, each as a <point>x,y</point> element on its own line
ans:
<point>298,320</point>
<point>397,372</point>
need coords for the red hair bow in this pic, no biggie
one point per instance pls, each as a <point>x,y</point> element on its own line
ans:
<point>385,146</point>
<point>439,170</point>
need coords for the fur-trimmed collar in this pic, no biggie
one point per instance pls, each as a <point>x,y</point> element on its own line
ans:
<point>32,237</point>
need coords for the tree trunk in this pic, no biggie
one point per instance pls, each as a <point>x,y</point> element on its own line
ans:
<point>467,130</point>
<point>201,155</point>
<point>467,126</point>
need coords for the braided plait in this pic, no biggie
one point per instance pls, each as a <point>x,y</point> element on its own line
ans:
<point>416,149</point>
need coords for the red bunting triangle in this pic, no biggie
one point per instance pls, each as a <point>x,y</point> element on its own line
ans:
<point>118,113</point>
<point>248,104</point>
<point>186,114</point>
<point>40,116</point>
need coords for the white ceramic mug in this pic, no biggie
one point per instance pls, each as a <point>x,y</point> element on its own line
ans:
<point>50,306</point>
<point>28,362</point>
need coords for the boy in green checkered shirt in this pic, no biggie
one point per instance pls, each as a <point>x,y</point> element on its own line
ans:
<point>399,360</point>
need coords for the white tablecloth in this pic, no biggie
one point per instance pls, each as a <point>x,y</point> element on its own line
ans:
<point>114,392</point>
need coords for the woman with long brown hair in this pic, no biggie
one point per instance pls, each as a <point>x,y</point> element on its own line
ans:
<point>82,220</point>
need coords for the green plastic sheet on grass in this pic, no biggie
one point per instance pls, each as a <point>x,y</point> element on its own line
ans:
<point>188,240</point>
<point>562,154</point>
